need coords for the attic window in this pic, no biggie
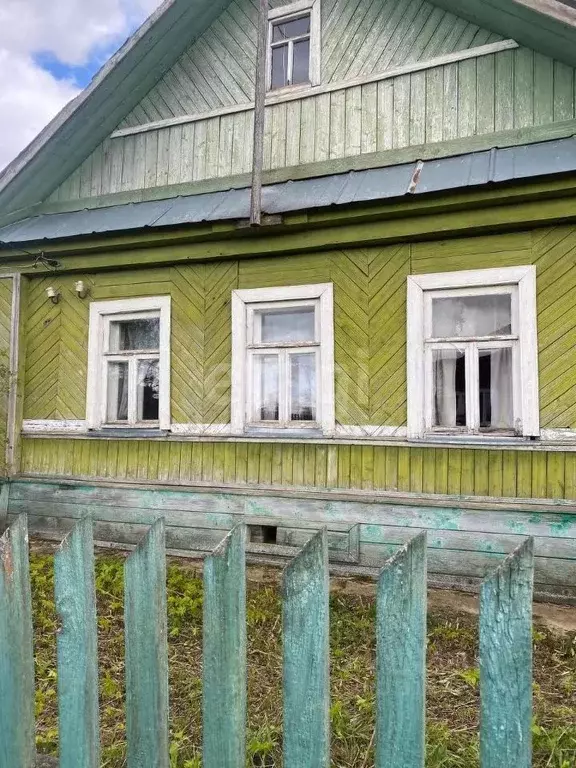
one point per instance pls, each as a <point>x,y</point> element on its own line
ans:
<point>293,45</point>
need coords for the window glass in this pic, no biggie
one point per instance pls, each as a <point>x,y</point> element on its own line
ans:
<point>489,315</point>
<point>148,390</point>
<point>303,387</point>
<point>117,407</point>
<point>290,325</point>
<point>279,66</point>
<point>284,30</point>
<point>495,377</point>
<point>266,377</point>
<point>135,335</point>
<point>449,377</point>
<point>301,63</point>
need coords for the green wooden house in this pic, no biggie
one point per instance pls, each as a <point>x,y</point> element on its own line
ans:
<point>392,347</point>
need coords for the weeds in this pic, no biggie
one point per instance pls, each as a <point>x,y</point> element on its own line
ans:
<point>452,683</point>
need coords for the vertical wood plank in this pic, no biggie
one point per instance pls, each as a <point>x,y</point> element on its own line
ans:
<point>401,658</point>
<point>145,628</point>
<point>224,662</point>
<point>75,597</point>
<point>17,745</point>
<point>306,654</point>
<point>506,662</point>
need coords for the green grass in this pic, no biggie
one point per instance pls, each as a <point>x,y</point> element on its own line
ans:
<point>452,684</point>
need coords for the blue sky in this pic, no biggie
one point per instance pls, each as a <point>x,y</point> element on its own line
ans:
<point>49,52</point>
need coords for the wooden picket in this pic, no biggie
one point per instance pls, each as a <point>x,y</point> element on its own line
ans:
<point>146,638</point>
<point>224,662</point>
<point>506,662</point>
<point>306,679</point>
<point>401,658</point>
<point>17,746</point>
<point>505,655</point>
<point>75,598</point>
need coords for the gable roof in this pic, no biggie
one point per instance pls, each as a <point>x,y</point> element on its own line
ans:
<point>548,26</point>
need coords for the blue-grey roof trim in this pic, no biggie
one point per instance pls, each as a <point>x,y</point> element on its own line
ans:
<point>475,169</point>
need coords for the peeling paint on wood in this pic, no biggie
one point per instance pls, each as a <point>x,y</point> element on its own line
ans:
<point>506,662</point>
<point>224,660</point>
<point>401,658</point>
<point>146,636</point>
<point>78,741</point>
<point>17,744</point>
<point>306,653</point>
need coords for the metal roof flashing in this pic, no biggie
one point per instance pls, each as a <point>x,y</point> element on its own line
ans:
<point>472,170</point>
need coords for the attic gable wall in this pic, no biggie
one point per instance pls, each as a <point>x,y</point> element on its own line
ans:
<point>512,89</point>
<point>357,39</point>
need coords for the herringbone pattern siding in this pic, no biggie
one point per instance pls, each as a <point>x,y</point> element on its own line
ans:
<point>370,322</point>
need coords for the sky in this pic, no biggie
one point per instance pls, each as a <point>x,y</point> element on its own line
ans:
<point>49,51</point>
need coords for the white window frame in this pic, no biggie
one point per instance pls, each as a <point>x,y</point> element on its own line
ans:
<point>522,282</point>
<point>101,314</point>
<point>289,13</point>
<point>244,302</point>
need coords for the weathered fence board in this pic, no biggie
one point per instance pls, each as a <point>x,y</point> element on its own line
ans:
<point>224,662</point>
<point>17,745</point>
<point>75,599</point>
<point>506,662</point>
<point>306,657</point>
<point>145,620</point>
<point>401,658</point>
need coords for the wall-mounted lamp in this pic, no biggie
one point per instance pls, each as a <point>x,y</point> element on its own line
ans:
<point>53,294</point>
<point>81,289</point>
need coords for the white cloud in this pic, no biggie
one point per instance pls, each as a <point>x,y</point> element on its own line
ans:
<point>75,32</point>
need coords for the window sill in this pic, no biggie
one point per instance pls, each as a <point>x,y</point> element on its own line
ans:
<point>286,432</point>
<point>142,432</point>
<point>455,438</point>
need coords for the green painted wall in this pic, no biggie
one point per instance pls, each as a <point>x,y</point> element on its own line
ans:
<point>453,471</point>
<point>370,310</point>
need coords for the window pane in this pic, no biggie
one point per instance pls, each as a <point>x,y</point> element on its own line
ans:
<point>449,377</point>
<point>148,390</point>
<point>266,388</point>
<point>489,315</point>
<point>117,406</point>
<point>287,325</point>
<point>495,374</point>
<point>301,63</point>
<point>283,30</point>
<point>303,387</point>
<point>279,67</point>
<point>135,335</point>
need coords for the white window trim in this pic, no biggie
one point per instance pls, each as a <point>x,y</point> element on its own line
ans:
<point>525,279</point>
<point>289,12</point>
<point>241,299</point>
<point>100,310</point>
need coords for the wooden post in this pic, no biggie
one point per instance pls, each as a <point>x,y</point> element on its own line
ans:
<point>506,662</point>
<point>259,116</point>
<point>224,663</point>
<point>17,743</point>
<point>401,658</point>
<point>145,627</point>
<point>306,657</point>
<point>77,649</point>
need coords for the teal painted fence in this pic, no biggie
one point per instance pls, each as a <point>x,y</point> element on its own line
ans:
<point>505,654</point>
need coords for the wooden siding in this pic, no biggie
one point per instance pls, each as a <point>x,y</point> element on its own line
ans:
<point>370,317</point>
<point>217,70</point>
<point>451,471</point>
<point>506,90</point>
<point>6,288</point>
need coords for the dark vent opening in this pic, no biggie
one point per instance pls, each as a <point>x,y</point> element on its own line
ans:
<point>263,534</point>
